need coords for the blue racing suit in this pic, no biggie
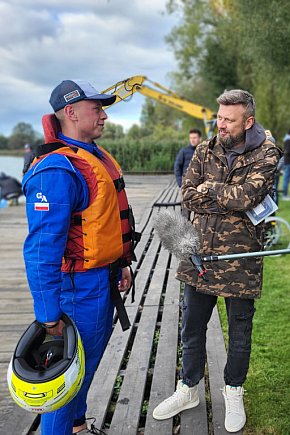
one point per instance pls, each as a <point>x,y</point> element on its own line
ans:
<point>54,189</point>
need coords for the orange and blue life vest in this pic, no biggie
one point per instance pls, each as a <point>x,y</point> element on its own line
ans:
<point>104,232</point>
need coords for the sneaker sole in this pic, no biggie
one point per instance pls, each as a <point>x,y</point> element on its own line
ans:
<point>235,429</point>
<point>173,413</point>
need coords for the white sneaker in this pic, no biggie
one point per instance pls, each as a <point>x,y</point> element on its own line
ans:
<point>235,417</point>
<point>184,398</point>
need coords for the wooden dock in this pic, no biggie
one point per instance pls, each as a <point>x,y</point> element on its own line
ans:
<point>139,367</point>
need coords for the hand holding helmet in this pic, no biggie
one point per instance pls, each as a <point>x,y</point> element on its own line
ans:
<point>54,329</point>
<point>45,372</point>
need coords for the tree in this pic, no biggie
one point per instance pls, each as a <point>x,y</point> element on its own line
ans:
<point>134,132</point>
<point>157,117</point>
<point>236,44</point>
<point>113,131</point>
<point>148,116</point>
<point>22,133</point>
<point>3,142</point>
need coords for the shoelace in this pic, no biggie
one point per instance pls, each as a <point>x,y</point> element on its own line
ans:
<point>93,429</point>
<point>233,402</point>
<point>175,395</point>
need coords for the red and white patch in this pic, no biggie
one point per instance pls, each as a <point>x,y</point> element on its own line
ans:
<point>41,206</point>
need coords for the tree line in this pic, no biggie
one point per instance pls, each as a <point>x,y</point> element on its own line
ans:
<point>235,44</point>
<point>218,44</point>
<point>138,150</point>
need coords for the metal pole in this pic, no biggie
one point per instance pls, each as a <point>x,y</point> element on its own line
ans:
<point>244,255</point>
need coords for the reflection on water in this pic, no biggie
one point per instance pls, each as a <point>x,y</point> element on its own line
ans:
<point>12,166</point>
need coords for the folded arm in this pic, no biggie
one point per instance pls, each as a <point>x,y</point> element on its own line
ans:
<point>205,195</point>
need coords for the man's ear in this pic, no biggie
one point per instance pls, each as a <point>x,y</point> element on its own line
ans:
<point>70,112</point>
<point>249,122</point>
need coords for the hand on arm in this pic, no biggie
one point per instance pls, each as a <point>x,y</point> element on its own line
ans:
<point>194,190</point>
<point>209,196</point>
<point>248,193</point>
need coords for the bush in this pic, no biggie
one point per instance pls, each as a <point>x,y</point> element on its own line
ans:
<point>146,154</point>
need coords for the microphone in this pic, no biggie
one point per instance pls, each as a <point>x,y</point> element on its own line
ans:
<point>179,237</point>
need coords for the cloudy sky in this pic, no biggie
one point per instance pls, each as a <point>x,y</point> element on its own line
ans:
<point>43,42</point>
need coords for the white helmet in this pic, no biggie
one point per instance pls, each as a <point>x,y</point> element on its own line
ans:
<point>45,372</point>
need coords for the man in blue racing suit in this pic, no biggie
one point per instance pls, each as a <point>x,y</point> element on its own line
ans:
<point>55,189</point>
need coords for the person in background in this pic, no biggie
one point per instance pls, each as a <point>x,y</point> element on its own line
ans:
<point>286,167</point>
<point>80,242</point>
<point>279,170</point>
<point>10,189</point>
<point>185,155</point>
<point>28,157</point>
<point>279,173</point>
<point>228,175</point>
<point>182,161</point>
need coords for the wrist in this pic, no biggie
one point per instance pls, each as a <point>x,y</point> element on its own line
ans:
<point>49,325</point>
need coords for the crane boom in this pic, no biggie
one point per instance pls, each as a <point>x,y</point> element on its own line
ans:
<point>126,88</point>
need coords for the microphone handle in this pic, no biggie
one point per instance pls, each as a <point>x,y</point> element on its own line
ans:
<point>197,262</point>
<point>208,258</point>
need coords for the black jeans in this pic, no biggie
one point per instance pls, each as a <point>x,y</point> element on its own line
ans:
<point>196,312</point>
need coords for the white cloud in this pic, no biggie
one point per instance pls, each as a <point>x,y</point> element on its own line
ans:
<point>103,41</point>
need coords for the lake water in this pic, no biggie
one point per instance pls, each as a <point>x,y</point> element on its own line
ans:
<point>12,166</point>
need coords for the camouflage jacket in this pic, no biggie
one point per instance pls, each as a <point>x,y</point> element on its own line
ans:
<point>227,192</point>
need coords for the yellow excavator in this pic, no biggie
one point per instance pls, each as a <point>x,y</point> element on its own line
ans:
<point>126,88</point>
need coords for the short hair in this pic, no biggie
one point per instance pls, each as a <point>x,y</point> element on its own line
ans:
<point>238,96</point>
<point>195,130</point>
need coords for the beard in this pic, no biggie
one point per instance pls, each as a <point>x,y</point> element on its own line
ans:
<point>231,141</point>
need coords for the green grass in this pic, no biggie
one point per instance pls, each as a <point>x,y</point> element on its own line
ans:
<point>267,397</point>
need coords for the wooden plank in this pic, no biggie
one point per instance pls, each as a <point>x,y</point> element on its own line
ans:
<point>110,364</point>
<point>144,273</point>
<point>8,343</point>
<point>169,196</point>
<point>16,315</point>
<point>13,419</point>
<point>8,320</point>
<point>126,416</point>
<point>10,293</point>
<point>164,375</point>
<point>16,307</point>
<point>216,360</point>
<point>127,413</point>
<point>18,422</point>
<point>147,209</point>
<point>194,421</point>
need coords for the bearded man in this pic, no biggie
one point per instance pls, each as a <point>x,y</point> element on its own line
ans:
<point>228,175</point>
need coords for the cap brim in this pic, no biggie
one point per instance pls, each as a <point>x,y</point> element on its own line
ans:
<point>106,100</point>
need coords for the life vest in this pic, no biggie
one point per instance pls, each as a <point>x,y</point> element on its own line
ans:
<point>104,231</point>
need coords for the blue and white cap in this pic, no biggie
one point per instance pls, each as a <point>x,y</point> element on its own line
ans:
<point>69,92</point>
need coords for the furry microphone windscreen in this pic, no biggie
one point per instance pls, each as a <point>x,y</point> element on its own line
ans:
<point>177,234</point>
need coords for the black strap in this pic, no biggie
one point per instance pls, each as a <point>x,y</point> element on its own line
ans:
<point>77,220</point>
<point>116,296</point>
<point>127,237</point>
<point>136,236</point>
<point>124,214</point>
<point>119,184</point>
<point>46,148</point>
<point>132,285</point>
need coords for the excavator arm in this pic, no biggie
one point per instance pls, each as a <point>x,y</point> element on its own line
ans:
<point>126,88</point>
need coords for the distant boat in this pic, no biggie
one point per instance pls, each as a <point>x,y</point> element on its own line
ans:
<point>10,188</point>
